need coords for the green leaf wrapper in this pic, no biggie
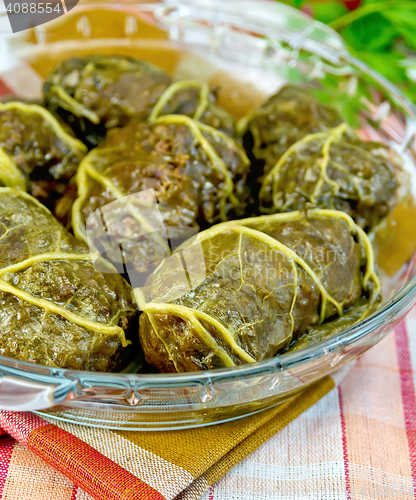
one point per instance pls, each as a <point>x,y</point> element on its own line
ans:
<point>269,281</point>
<point>198,175</point>
<point>108,91</point>
<point>36,153</point>
<point>305,157</point>
<point>56,309</point>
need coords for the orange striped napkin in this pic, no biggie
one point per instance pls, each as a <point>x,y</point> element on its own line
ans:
<point>121,465</point>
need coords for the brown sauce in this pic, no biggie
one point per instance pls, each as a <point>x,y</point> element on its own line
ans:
<point>395,242</point>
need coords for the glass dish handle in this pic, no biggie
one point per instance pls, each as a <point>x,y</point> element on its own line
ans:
<point>24,395</point>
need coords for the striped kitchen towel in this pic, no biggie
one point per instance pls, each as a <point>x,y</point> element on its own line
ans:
<point>122,465</point>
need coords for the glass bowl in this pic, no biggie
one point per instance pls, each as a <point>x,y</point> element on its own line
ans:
<point>249,49</point>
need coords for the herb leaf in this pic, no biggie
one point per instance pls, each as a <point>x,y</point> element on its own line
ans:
<point>382,33</point>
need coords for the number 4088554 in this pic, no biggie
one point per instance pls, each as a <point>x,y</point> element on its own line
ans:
<point>33,8</point>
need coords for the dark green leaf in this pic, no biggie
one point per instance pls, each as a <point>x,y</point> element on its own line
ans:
<point>387,63</point>
<point>370,33</point>
<point>404,21</point>
<point>383,39</point>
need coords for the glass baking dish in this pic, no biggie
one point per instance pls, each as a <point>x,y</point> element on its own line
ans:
<point>249,49</point>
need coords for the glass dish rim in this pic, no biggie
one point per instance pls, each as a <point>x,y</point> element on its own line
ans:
<point>401,299</point>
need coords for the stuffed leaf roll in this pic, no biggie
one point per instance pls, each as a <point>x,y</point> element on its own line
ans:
<point>273,127</point>
<point>303,156</point>
<point>56,309</point>
<point>196,100</point>
<point>105,89</point>
<point>36,153</point>
<point>100,92</point>
<point>267,282</point>
<point>196,172</point>
<point>333,170</point>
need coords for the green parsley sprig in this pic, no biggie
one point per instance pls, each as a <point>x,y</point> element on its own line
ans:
<point>382,33</point>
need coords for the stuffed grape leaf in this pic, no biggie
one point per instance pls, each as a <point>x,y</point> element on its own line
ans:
<point>96,93</point>
<point>36,153</point>
<point>196,100</point>
<point>331,170</point>
<point>197,173</point>
<point>268,281</point>
<point>305,157</point>
<point>56,309</point>
<point>273,127</point>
